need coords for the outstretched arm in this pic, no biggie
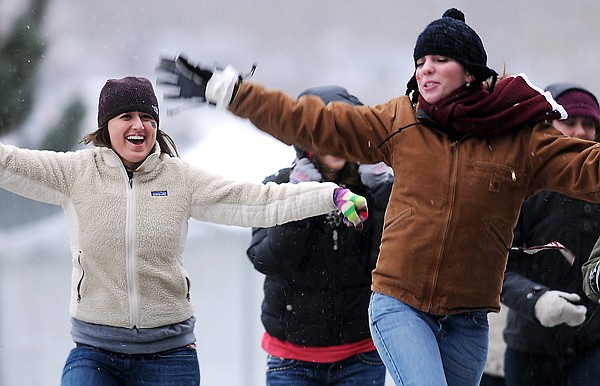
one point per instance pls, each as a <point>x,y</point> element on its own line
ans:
<point>222,201</point>
<point>350,132</point>
<point>44,176</point>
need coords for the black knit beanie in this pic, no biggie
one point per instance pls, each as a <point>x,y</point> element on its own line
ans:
<point>450,36</point>
<point>124,95</point>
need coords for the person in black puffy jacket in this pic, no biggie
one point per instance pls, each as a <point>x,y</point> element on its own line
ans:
<point>552,331</point>
<point>318,276</point>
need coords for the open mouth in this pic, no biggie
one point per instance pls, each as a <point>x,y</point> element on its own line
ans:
<point>136,139</point>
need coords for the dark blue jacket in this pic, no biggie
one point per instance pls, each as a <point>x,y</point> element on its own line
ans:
<point>318,273</point>
<point>546,217</point>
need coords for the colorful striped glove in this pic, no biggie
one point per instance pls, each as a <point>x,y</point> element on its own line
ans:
<point>353,207</point>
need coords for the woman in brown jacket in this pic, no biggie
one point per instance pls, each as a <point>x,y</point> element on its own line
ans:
<point>466,152</point>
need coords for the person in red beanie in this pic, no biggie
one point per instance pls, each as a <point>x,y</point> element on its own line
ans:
<point>128,202</point>
<point>552,328</point>
<point>467,150</point>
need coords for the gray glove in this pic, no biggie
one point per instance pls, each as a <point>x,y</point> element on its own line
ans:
<point>372,175</point>
<point>304,171</point>
<point>555,307</point>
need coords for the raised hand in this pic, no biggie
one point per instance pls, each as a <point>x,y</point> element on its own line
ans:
<point>189,79</point>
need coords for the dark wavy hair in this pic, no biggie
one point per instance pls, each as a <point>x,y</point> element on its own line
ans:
<point>347,176</point>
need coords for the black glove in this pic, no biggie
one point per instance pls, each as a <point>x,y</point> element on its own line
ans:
<point>190,79</point>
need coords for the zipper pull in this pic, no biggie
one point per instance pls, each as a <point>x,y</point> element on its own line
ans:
<point>513,175</point>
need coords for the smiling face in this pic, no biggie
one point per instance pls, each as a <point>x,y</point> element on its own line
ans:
<point>437,76</point>
<point>132,137</point>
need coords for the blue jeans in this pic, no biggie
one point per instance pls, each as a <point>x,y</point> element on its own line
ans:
<point>524,369</point>
<point>423,349</point>
<point>88,365</point>
<point>362,369</point>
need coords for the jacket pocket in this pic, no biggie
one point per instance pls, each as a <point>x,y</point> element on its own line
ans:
<point>497,237</point>
<point>399,217</point>
<point>280,364</point>
<point>500,175</point>
<point>188,282</point>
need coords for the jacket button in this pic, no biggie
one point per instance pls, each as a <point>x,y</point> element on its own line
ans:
<point>289,307</point>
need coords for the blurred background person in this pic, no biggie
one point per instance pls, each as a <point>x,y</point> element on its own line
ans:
<point>318,277</point>
<point>553,329</point>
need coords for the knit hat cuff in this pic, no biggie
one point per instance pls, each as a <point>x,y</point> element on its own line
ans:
<point>580,103</point>
<point>119,96</point>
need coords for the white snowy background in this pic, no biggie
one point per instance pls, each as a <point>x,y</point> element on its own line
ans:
<point>364,46</point>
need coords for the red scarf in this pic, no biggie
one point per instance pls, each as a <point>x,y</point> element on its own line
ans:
<point>476,111</point>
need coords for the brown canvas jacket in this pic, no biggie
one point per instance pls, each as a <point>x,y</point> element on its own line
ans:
<point>454,204</point>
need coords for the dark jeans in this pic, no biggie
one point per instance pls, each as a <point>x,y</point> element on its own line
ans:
<point>362,369</point>
<point>523,369</point>
<point>491,380</point>
<point>88,365</point>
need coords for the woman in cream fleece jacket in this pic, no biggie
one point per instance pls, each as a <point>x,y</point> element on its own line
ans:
<point>127,203</point>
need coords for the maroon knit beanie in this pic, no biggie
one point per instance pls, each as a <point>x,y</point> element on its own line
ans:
<point>120,96</point>
<point>580,103</point>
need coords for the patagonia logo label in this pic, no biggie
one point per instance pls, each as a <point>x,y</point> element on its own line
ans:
<point>159,193</point>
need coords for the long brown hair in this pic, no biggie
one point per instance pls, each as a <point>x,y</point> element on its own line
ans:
<point>101,138</point>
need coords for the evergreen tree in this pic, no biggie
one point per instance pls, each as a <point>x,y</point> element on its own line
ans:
<point>64,136</point>
<point>21,56</point>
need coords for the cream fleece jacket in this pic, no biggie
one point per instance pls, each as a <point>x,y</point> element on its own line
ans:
<point>127,236</point>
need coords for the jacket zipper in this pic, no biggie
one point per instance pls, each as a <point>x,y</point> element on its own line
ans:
<point>131,255</point>
<point>336,261</point>
<point>80,282</point>
<point>453,182</point>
